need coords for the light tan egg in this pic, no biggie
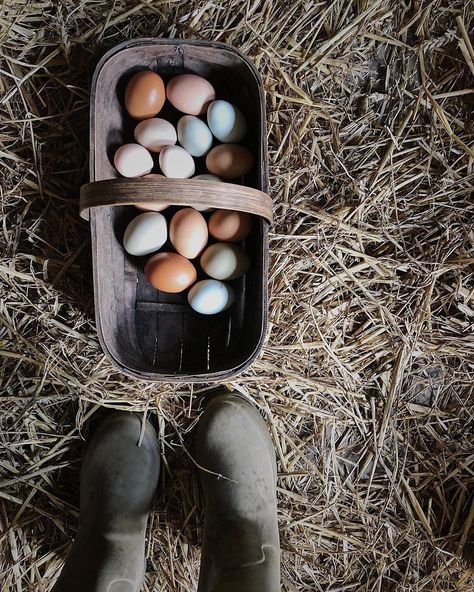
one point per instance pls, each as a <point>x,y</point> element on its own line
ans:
<point>190,93</point>
<point>188,232</point>
<point>155,134</point>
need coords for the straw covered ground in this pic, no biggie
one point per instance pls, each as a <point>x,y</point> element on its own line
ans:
<point>366,376</point>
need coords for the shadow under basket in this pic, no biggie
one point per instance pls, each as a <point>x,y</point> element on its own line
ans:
<point>147,333</point>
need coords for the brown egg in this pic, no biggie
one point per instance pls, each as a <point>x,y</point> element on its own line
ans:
<point>145,95</point>
<point>231,226</point>
<point>229,161</point>
<point>188,232</point>
<point>190,93</point>
<point>170,272</point>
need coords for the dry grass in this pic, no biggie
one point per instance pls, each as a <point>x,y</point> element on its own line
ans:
<point>366,379</point>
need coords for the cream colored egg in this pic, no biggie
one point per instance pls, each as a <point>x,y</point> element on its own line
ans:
<point>155,134</point>
<point>176,162</point>
<point>225,261</point>
<point>194,135</point>
<point>133,160</point>
<point>145,234</point>
<point>210,297</point>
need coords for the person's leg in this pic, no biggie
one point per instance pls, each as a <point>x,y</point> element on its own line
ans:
<point>241,550</point>
<point>118,484</point>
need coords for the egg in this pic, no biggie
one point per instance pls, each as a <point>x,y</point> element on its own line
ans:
<point>229,161</point>
<point>155,134</point>
<point>188,232</point>
<point>208,177</point>
<point>145,234</point>
<point>133,160</point>
<point>229,225</point>
<point>226,121</point>
<point>225,261</point>
<point>194,135</point>
<point>150,206</point>
<point>176,162</point>
<point>210,297</point>
<point>145,95</point>
<point>170,272</point>
<point>190,93</point>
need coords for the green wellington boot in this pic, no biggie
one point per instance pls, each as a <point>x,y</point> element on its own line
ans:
<point>118,484</point>
<point>241,549</point>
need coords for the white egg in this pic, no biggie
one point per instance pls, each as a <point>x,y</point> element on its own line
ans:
<point>155,134</point>
<point>226,121</point>
<point>176,162</point>
<point>133,160</point>
<point>194,135</point>
<point>225,261</point>
<point>145,234</point>
<point>210,297</point>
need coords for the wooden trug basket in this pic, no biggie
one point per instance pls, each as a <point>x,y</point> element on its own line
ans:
<point>147,333</point>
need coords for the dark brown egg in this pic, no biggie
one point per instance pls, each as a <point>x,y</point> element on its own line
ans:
<point>145,95</point>
<point>229,161</point>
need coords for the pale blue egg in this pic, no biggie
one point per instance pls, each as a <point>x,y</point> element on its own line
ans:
<point>226,121</point>
<point>194,135</point>
<point>210,297</point>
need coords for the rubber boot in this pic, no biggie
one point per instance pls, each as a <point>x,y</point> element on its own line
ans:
<point>241,549</point>
<point>118,484</point>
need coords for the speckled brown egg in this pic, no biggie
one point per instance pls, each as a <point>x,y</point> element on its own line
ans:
<point>145,95</point>
<point>229,161</point>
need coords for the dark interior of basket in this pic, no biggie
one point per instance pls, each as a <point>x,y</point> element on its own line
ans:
<point>143,329</point>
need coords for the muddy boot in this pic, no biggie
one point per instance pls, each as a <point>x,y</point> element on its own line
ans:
<point>241,550</point>
<point>118,484</point>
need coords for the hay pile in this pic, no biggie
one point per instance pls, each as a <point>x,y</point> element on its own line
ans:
<point>366,379</point>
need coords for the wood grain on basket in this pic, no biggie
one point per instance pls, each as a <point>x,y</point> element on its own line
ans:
<point>179,192</point>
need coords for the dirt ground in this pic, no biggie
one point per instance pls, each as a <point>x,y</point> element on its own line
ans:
<point>366,377</point>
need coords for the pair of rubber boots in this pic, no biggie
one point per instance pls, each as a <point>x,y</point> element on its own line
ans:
<point>237,467</point>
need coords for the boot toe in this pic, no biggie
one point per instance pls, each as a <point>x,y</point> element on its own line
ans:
<point>120,473</point>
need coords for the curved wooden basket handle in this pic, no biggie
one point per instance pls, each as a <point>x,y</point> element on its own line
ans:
<point>177,192</point>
